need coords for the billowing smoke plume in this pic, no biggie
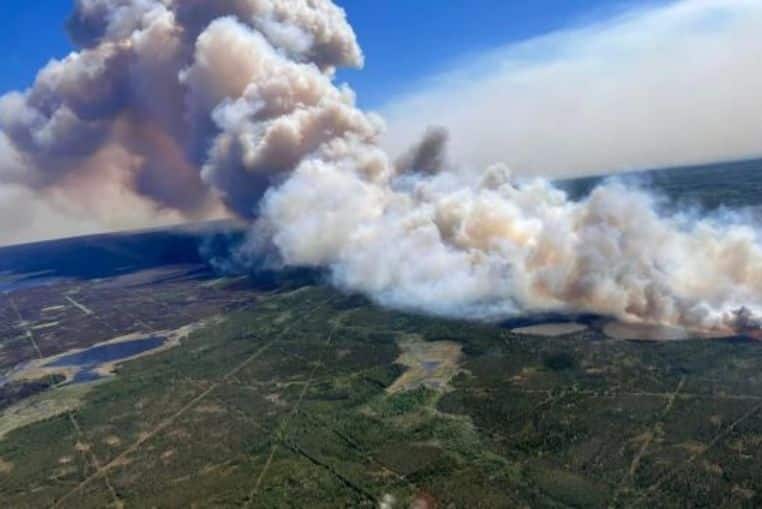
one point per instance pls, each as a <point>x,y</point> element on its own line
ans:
<point>191,105</point>
<point>158,84</point>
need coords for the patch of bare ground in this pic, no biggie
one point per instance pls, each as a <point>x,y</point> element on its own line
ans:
<point>430,364</point>
<point>5,466</point>
<point>113,441</point>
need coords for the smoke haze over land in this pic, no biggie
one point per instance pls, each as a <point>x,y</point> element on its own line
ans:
<point>176,110</point>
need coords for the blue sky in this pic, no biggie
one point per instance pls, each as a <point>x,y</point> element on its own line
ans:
<point>30,34</point>
<point>404,40</point>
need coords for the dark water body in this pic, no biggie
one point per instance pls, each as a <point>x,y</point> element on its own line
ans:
<point>97,355</point>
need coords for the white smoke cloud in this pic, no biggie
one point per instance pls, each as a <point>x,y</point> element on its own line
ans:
<point>173,108</point>
<point>482,247</point>
<point>671,85</point>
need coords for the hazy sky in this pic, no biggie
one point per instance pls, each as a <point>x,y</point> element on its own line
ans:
<point>403,41</point>
<point>653,86</point>
<point>550,87</point>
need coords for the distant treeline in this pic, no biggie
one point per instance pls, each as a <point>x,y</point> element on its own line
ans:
<point>731,185</point>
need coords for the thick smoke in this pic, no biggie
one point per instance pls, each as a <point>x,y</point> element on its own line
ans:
<point>429,155</point>
<point>153,86</point>
<point>192,105</point>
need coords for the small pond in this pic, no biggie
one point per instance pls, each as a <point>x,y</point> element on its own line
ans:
<point>90,359</point>
<point>111,352</point>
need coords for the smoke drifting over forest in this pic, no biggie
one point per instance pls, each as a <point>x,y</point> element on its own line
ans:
<point>189,109</point>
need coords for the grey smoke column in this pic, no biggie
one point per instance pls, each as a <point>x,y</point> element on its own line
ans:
<point>429,155</point>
